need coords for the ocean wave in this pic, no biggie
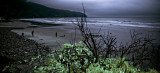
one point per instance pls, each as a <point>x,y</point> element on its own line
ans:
<point>98,22</point>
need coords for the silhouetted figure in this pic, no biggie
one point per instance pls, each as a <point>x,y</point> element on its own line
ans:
<point>22,34</point>
<point>56,34</point>
<point>32,33</point>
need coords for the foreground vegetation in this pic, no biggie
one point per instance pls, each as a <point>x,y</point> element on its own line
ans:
<point>77,58</point>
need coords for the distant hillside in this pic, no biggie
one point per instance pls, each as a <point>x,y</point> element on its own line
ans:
<point>22,9</point>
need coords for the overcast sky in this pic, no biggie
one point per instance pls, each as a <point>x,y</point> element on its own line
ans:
<point>102,8</point>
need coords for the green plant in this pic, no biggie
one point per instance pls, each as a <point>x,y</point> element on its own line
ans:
<point>111,65</point>
<point>72,58</point>
<point>78,58</point>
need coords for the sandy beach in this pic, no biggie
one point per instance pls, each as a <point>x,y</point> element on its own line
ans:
<point>69,33</point>
<point>43,34</point>
<point>66,33</point>
<point>47,35</point>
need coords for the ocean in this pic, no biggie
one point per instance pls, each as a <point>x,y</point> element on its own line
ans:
<point>125,22</point>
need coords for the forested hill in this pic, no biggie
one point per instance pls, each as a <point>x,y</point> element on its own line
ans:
<point>23,9</point>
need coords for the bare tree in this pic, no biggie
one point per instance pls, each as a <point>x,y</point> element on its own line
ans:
<point>98,44</point>
<point>139,50</point>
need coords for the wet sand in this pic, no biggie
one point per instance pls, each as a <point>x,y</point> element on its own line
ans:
<point>66,33</point>
<point>46,34</point>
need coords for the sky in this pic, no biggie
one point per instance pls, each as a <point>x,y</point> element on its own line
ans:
<point>104,8</point>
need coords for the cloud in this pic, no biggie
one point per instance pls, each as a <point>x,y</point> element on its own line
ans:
<point>106,7</point>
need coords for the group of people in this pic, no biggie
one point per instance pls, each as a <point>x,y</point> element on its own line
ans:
<point>32,33</point>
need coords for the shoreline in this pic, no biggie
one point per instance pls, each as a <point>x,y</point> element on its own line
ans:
<point>45,33</point>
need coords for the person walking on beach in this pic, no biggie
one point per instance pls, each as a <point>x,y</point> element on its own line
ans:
<point>22,34</point>
<point>32,33</point>
<point>56,34</point>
